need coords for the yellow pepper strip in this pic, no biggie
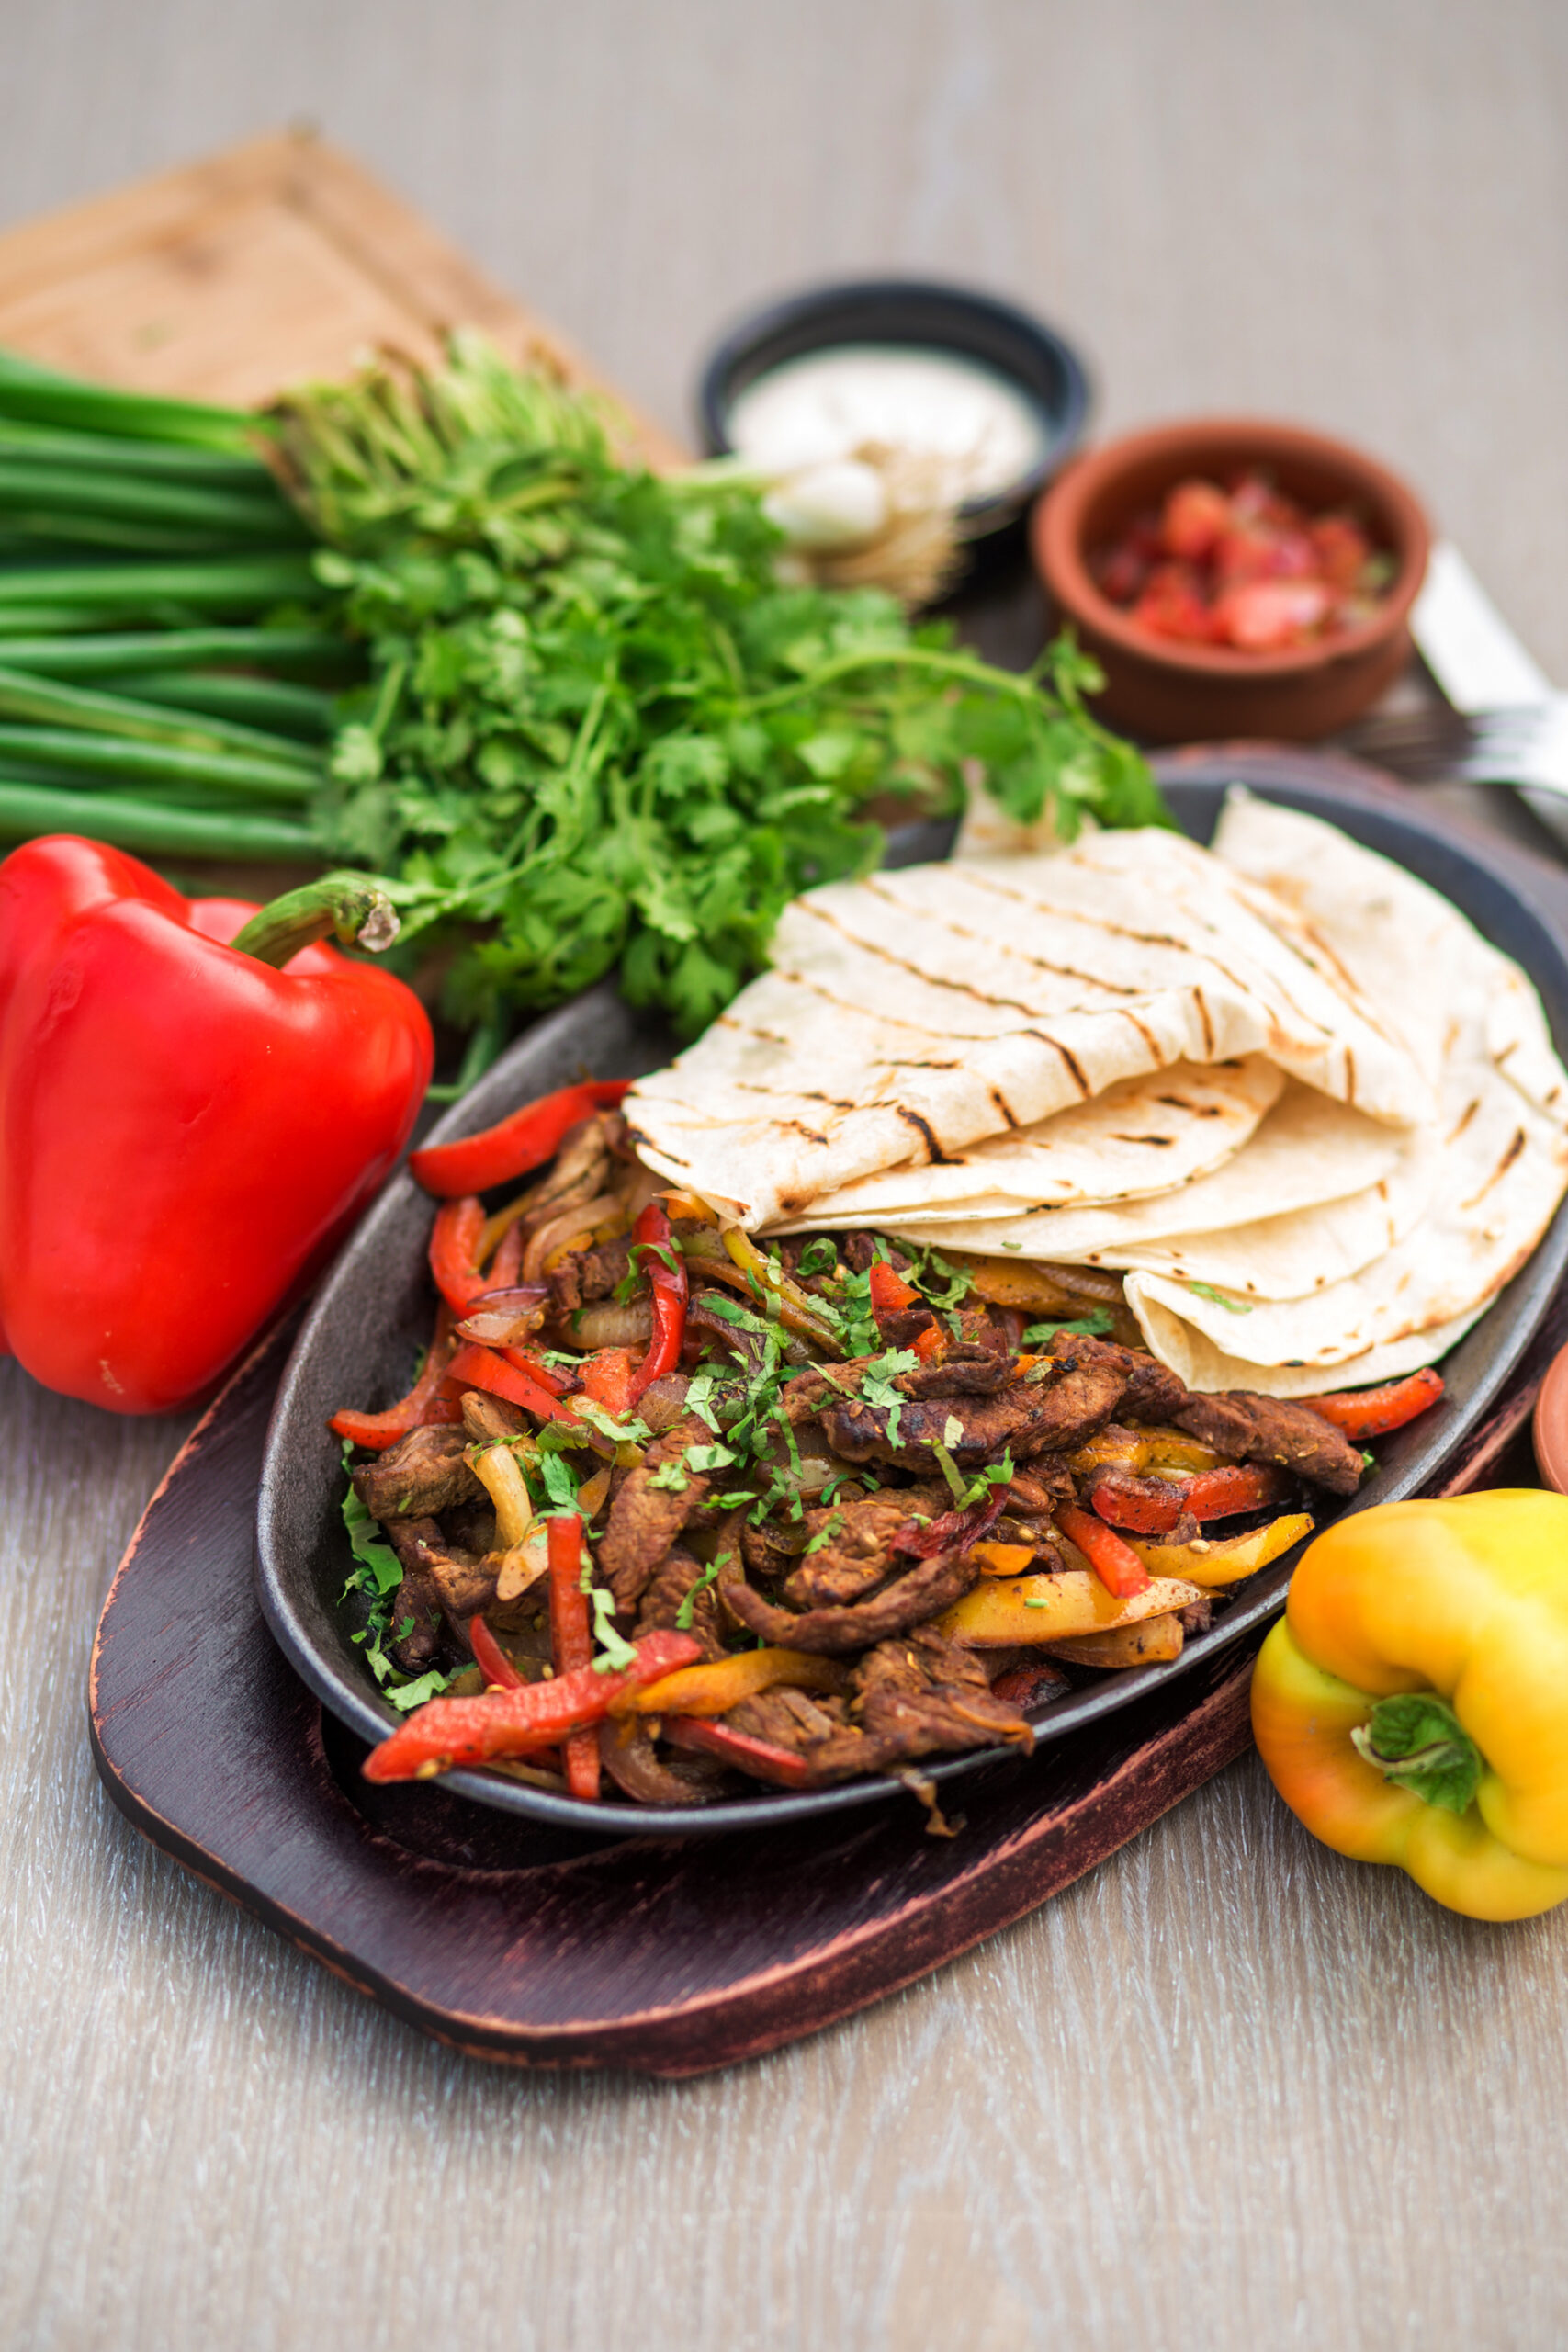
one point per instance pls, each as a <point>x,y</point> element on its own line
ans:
<point>1002,1559</point>
<point>591,1493</point>
<point>1142,1450</point>
<point>1461,1601</point>
<point>496,1468</point>
<point>712,1690</point>
<point>799,1310</point>
<point>1222,1560</point>
<point>1148,1644</point>
<point>1053,1608</point>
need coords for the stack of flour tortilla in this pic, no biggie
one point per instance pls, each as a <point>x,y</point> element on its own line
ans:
<point>1284,1088</point>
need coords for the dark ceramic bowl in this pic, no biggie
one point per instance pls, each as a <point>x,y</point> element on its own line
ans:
<point>1167,692</point>
<point>909,311</point>
<point>361,1341</point>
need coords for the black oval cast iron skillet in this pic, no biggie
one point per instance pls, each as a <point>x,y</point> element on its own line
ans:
<point>372,1314</point>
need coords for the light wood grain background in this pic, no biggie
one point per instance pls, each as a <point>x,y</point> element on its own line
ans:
<point>1230,2092</point>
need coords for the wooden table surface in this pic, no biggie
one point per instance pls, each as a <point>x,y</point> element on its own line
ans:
<point>1230,2092</point>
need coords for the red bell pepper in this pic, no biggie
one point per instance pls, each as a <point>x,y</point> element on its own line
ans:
<point>491,1659</point>
<point>741,1748</point>
<point>890,1294</point>
<point>195,1101</point>
<point>666,1270</point>
<point>1116,1564</point>
<point>423,1405</point>
<point>571,1643</point>
<point>446,1732</point>
<point>950,1531</point>
<point>474,1367</point>
<point>1153,1506</point>
<point>525,1140</point>
<point>1368,1412</point>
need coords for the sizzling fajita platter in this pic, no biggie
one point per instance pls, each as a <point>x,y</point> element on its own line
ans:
<point>964,1329</point>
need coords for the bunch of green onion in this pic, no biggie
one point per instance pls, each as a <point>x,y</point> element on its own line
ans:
<point>163,658</point>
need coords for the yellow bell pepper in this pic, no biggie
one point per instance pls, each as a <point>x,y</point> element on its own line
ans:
<point>1221,1560</point>
<point>1412,1707</point>
<point>1005,1610</point>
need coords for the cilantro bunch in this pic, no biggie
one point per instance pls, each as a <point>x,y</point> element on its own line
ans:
<point>600,732</point>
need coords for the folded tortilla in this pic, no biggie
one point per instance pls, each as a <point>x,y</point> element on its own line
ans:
<point>1146,1134</point>
<point>912,1013</point>
<point>1308,1151</point>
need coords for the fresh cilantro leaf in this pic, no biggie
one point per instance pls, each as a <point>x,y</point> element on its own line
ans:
<point>670,1478</point>
<point>1231,1306</point>
<point>703,1458</point>
<point>616,1652</point>
<point>819,1257</point>
<point>825,1534</point>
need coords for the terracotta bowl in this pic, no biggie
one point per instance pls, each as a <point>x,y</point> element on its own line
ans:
<point>1167,692</point>
<point>1550,1428</point>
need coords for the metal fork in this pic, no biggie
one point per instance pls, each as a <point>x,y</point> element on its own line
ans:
<point>1526,744</point>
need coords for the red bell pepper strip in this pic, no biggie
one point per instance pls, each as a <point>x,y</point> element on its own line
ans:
<point>525,1140</point>
<point>491,1659</point>
<point>571,1643</point>
<point>454,1249</point>
<point>930,1345</point>
<point>446,1732</point>
<point>666,1271</point>
<point>195,1103</point>
<point>1368,1412</point>
<point>890,1294</point>
<point>1116,1564</point>
<point>423,1405</point>
<point>607,1380</point>
<point>758,1757</point>
<point>474,1367</point>
<point>1153,1506</point>
<point>507,1263</point>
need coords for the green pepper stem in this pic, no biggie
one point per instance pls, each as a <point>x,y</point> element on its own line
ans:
<point>356,910</point>
<point>1416,1740</point>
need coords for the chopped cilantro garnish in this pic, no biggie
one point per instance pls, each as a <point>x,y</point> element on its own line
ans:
<point>825,1535</point>
<point>1231,1306</point>
<point>951,1472</point>
<point>615,1651</point>
<point>377,1574</point>
<point>819,1257</point>
<point>670,1478</point>
<point>560,1487</point>
<point>628,1430</point>
<point>703,1458</point>
<point>683,1615</point>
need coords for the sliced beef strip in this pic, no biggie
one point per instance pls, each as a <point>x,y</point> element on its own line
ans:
<point>662,1403</point>
<point>771,1550</point>
<point>921,1695</point>
<point>1250,1428</point>
<point>417,1595</point>
<point>644,1519</point>
<point>422,1475</point>
<point>1056,1412</point>
<point>462,1584</point>
<point>860,1251</point>
<point>490,1419</point>
<point>933,1586</point>
<point>967,1370</point>
<point>584,1277</point>
<point>795,1719</point>
<point>905,1325</point>
<point>660,1608</point>
<point>711,1333</point>
<point>1152,1391</point>
<point>858,1553</point>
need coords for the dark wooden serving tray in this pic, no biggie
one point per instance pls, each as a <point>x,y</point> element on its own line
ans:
<point>521,1941</point>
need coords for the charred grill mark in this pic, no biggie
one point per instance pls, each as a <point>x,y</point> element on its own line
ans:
<point>1036,963</point>
<point>799,1127</point>
<point>1163,1142</point>
<point>749,1029</point>
<point>1515,1147</point>
<point>1075,1067</point>
<point>793,1094</point>
<point>938,1158</point>
<point>883,1020</point>
<point>645,1143</point>
<point>1466,1116</point>
<point>1150,1042</point>
<point>1004,1106</point>
<point>902,964</point>
<point>1349,1075</point>
<point>1201,1002</point>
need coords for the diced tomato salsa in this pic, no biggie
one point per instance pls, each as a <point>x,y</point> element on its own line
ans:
<point>1243,567</point>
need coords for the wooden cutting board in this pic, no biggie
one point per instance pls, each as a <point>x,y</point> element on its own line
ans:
<point>234,277</point>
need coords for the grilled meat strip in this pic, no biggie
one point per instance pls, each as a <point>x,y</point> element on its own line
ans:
<point>1270,1429</point>
<point>1056,1412</point>
<point>921,1695</point>
<point>858,1553</point>
<point>660,1609</point>
<point>910,1599</point>
<point>645,1518</point>
<point>423,1474</point>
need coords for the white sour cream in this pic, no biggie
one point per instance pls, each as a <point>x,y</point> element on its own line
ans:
<point>984,430</point>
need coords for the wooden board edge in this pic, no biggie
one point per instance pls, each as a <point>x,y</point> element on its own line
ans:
<point>384,238</point>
